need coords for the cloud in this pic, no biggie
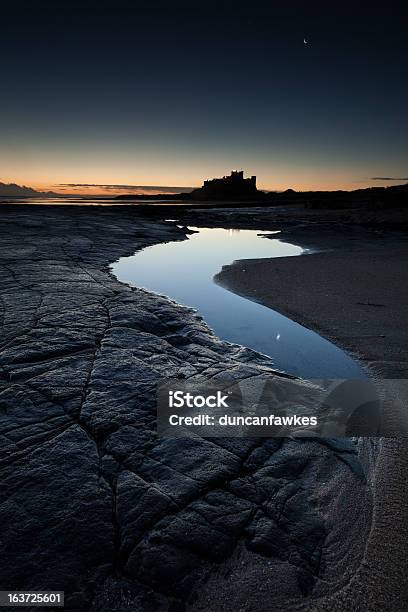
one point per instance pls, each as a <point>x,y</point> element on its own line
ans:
<point>155,188</point>
<point>388,178</point>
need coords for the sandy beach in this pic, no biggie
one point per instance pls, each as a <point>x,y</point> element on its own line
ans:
<point>357,298</point>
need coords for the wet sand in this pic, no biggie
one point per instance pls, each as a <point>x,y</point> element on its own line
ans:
<point>358,299</point>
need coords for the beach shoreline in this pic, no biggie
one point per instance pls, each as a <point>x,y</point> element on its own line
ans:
<point>80,355</point>
<point>356,298</point>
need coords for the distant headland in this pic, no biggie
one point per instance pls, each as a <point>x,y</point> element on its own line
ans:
<point>11,190</point>
<point>235,188</point>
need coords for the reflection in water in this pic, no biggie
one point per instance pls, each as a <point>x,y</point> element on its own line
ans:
<point>184,271</point>
<point>85,201</point>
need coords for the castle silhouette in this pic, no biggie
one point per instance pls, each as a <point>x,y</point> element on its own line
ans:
<point>234,186</point>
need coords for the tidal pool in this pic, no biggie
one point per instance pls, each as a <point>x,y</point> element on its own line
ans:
<point>184,271</point>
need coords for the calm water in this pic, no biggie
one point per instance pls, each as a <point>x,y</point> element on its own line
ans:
<point>184,271</point>
<point>85,201</point>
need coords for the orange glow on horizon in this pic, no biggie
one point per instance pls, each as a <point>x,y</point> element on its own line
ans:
<point>284,177</point>
<point>99,191</point>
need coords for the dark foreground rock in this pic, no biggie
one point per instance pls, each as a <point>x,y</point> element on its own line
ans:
<point>92,502</point>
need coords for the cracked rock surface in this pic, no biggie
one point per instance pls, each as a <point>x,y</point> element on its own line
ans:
<point>92,501</point>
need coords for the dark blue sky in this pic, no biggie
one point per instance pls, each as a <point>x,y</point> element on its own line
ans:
<point>169,95</point>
